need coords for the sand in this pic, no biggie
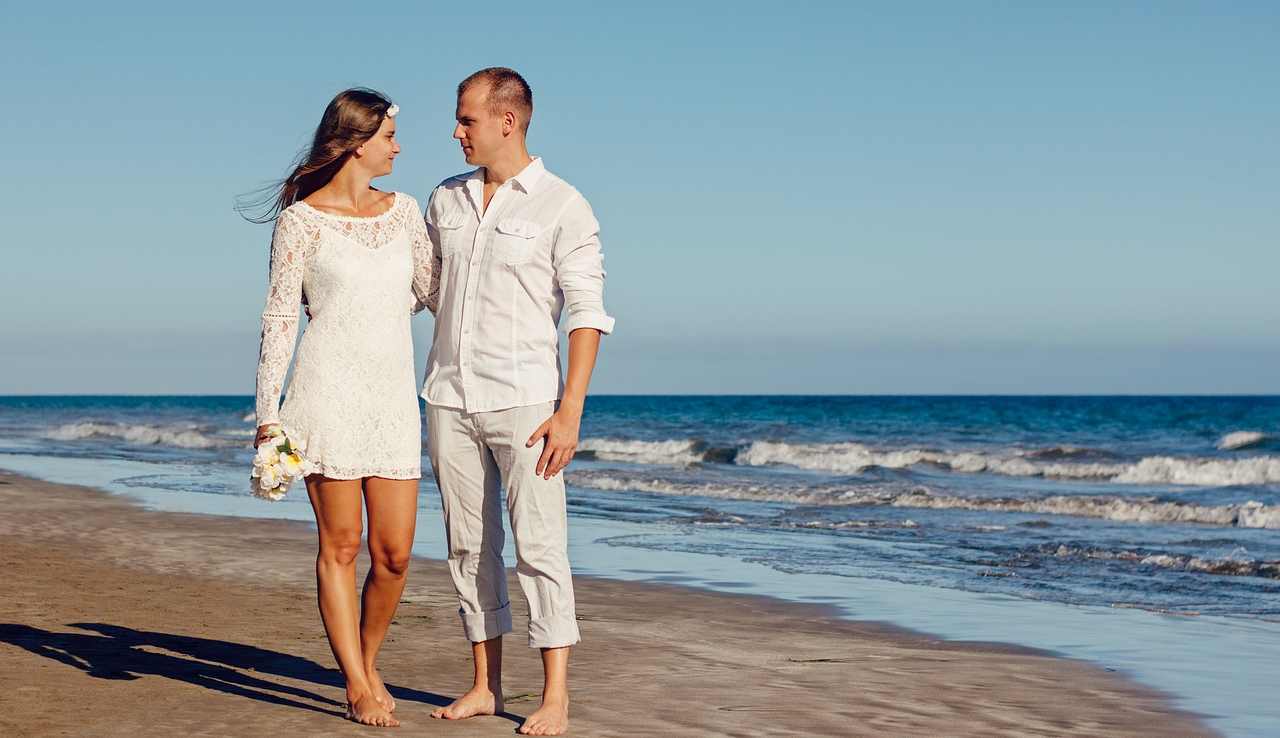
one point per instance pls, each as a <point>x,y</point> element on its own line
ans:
<point>120,621</point>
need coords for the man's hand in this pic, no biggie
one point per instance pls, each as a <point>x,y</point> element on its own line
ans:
<point>561,431</point>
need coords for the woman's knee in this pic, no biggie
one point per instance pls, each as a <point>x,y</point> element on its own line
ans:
<point>388,561</point>
<point>340,547</point>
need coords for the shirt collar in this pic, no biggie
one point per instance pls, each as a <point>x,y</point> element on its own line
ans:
<point>528,177</point>
<point>526,180</point>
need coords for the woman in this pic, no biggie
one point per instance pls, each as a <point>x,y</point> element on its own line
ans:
<point>361,261</point>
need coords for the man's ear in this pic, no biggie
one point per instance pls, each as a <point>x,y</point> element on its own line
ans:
<point>508,123</point>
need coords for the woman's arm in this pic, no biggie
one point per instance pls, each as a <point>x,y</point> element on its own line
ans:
<point>426,262</point>
<point>280,316</point>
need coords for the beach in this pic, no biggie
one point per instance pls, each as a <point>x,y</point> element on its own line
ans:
<point>126,621</point>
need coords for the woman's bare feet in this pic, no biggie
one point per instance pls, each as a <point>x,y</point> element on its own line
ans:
<point>366,710</point>
<point>552,718</point>
<point>379,690</point>
<point>478,701</point>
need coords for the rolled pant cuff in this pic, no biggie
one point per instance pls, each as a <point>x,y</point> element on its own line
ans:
<point>554,632</point>
<point>482,626</point>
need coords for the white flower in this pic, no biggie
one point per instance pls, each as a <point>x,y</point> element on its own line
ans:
<point>269,478</point>
<point>291,464</point>
<point>267,454</point>
<point>393,110</point>
<point>278,462</point>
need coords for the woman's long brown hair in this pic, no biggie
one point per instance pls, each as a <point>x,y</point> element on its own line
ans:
<point>352,117</point>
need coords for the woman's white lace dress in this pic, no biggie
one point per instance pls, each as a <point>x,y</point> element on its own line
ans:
<point>353,397</point>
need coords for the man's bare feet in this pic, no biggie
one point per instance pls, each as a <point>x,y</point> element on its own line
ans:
<point>379,691</point>
<point>552,718</point>
<point>367,711</point>
<point>478,701</point>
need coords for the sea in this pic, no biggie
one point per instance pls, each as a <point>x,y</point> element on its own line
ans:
<point>1141,533</point>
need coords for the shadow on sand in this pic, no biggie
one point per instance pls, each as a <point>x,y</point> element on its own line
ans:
<point>116,652</point>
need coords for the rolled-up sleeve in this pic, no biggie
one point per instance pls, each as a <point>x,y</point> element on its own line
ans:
<point>579,266</point>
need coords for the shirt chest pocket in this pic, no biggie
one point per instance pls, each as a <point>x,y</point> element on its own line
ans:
<point>452,232</point>
<point>515,240</point>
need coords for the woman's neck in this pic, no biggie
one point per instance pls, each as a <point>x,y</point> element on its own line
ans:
<point>348,190</point>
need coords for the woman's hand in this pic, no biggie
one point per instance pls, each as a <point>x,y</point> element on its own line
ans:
<point>264,432</point>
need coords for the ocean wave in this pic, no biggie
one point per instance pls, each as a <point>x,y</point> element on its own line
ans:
<point>712,517</point>
<point>1229,565</point>
<point>1058,453</point>
<point>816,495</point>
<point>672,453</point>
<point>1056,462</point>
<point>146,435</point>
<point>907,524</point>
<point>853,458</point>
<point>1251,514</point>
<point>1241,439</point>
<point>1202,472</point>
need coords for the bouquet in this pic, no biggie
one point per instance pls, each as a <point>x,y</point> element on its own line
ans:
<point>278,462</point>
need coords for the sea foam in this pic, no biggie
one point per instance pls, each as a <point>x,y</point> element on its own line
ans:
<point>853,458</point>
<point>146,435</point>
<point>1059,462</point>
<point>1241,439</point>
<point>1233,565</point>
<point>1251,514</point>
<point>676,453</point>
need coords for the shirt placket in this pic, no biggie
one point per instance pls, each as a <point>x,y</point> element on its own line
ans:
<point>479,248</point>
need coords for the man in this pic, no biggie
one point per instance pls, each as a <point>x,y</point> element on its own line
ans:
<point>517,247</point>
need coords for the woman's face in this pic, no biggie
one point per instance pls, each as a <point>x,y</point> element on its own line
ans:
<point>379,153</point>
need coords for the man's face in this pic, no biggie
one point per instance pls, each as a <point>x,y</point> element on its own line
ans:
<point>479,130</point>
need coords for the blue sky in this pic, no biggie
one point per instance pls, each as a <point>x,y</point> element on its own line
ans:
<point>901,198</point>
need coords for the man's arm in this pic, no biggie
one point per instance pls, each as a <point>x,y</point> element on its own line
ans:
<point>562,428</point>
<point>580,273</point>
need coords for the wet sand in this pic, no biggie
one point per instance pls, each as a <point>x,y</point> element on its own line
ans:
<point>119,621</point>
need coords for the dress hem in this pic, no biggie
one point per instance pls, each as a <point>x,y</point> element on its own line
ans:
<point>350,474</point>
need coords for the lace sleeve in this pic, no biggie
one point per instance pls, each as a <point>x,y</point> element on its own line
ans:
<point>426,262</point>
<point>280,315</point>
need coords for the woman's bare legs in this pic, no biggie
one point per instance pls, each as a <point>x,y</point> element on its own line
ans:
<point>338,519</point>
<point>393,511</point>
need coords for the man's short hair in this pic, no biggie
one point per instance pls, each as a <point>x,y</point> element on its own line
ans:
<point>507,91</point>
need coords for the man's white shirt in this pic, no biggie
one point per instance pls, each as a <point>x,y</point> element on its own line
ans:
<point>507,273</point>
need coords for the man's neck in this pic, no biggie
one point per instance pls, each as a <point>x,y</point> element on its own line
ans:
<point>506,167</point>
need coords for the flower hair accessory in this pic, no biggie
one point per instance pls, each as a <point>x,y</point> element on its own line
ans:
<point>391,111</point>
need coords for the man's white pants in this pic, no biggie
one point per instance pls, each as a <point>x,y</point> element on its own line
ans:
<point>474,456</point>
